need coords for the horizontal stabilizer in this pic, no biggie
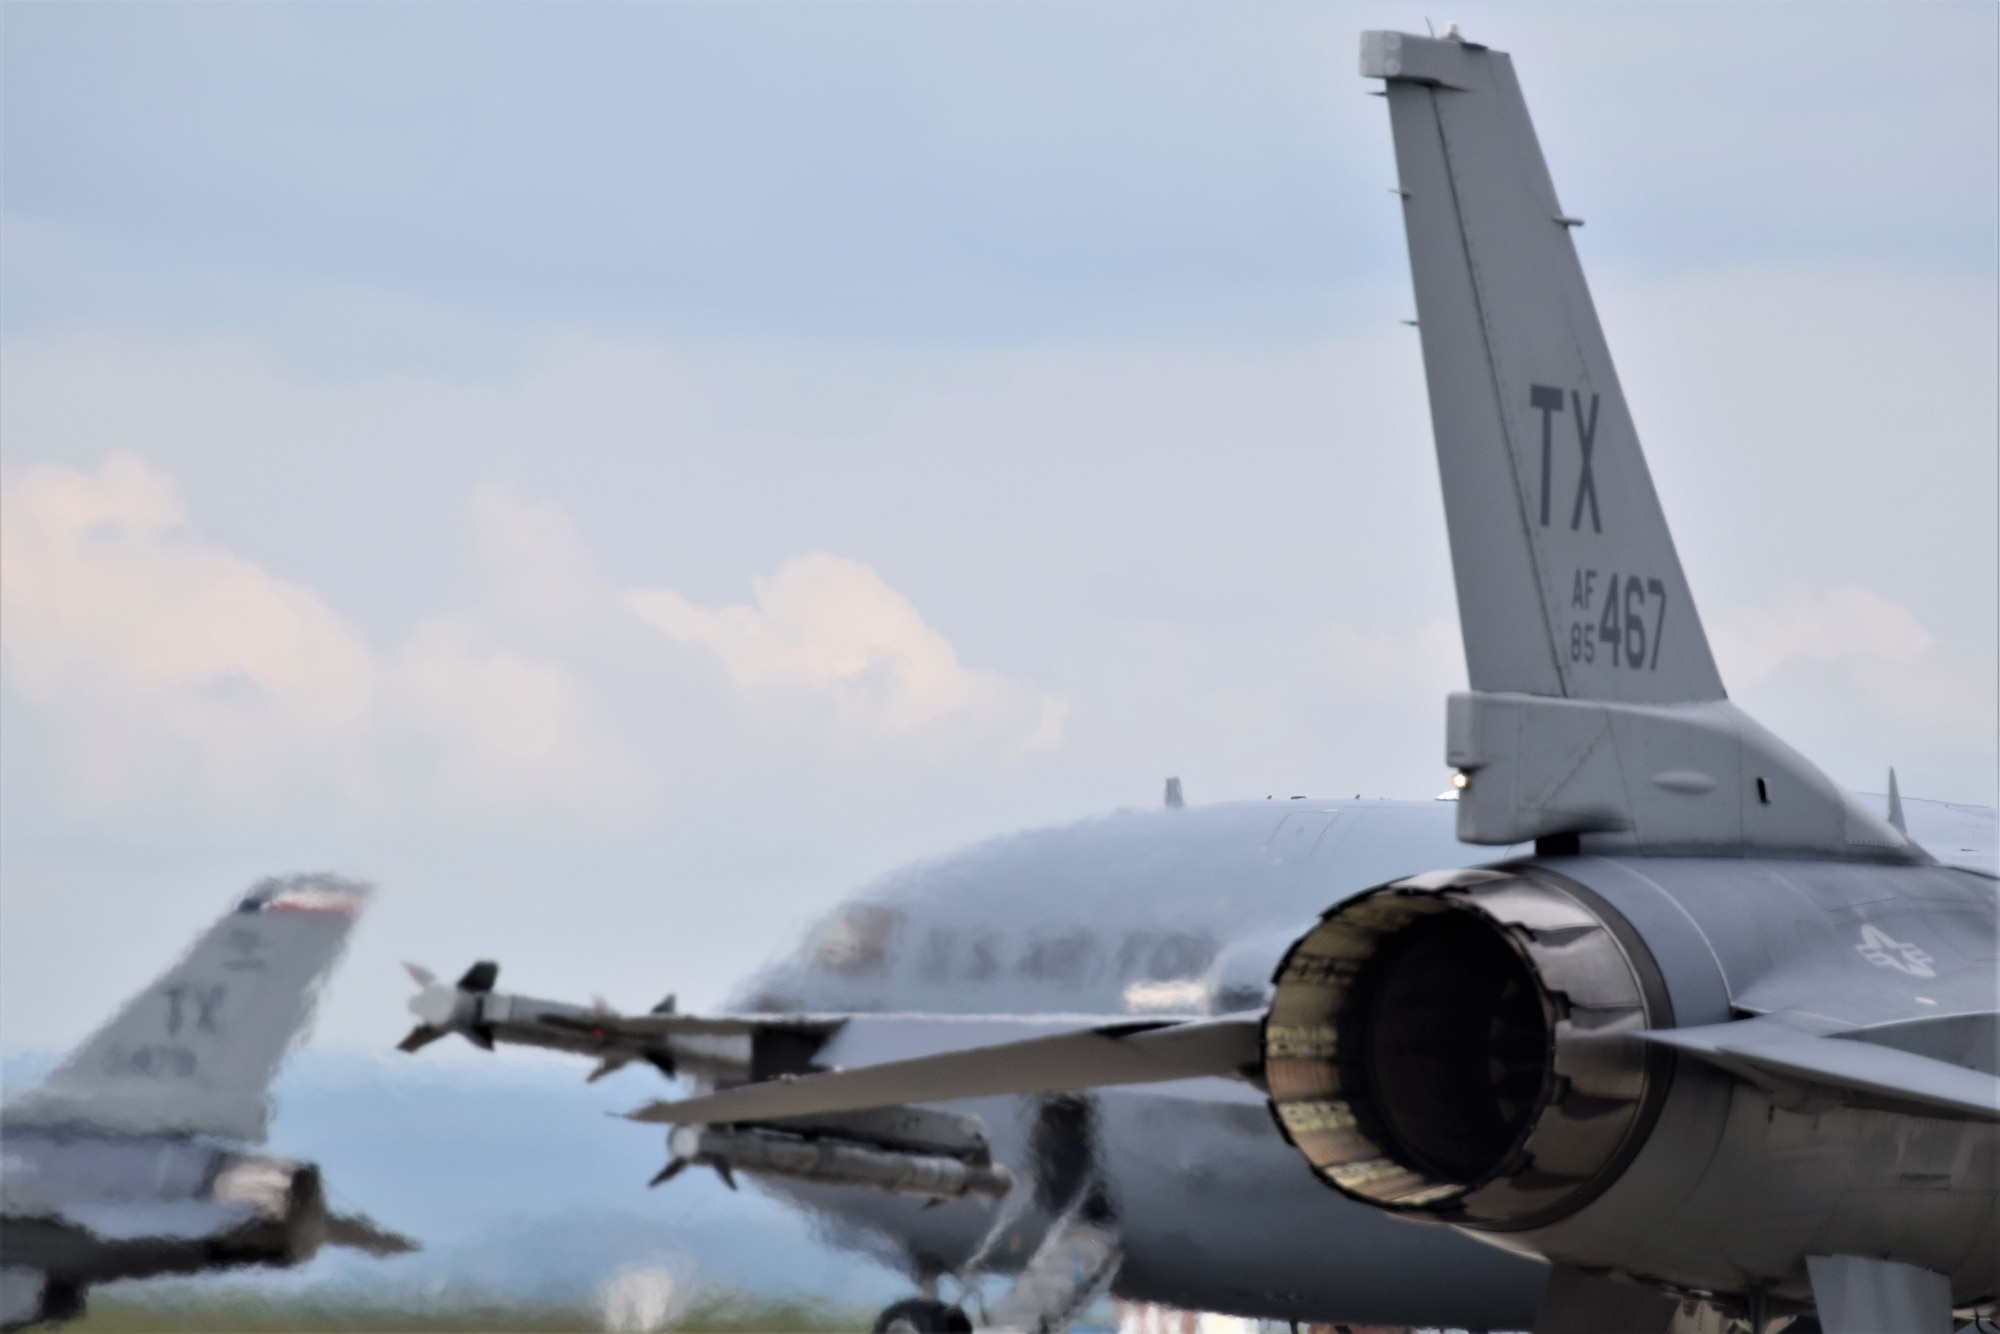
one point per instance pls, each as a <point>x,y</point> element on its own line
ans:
<point>359,1232</point>
<point>1774,1055</point>
<point>1120,1053</point>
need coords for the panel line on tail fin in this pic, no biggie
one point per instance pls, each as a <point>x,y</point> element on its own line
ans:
<point>1493,378</point>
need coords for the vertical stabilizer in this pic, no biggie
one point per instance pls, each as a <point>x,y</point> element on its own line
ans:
<point>1568,584</point>
<point>195,1052</point>
<point>1595,709</point>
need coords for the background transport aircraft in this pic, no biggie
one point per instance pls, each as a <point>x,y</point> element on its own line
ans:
<point>1178,909</point>
<point>1725,1044</point>
<point>130,1160</point>
<point>1172,909</point>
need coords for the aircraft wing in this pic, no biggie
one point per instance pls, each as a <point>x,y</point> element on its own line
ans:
<point>1773,1054</point>
<point>1125,1052</point>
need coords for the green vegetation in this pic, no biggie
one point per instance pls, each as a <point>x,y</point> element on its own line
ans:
<point>235,1310</point>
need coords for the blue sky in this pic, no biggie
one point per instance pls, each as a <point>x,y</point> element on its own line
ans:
<point>667,464</point>
<point>964,175</point>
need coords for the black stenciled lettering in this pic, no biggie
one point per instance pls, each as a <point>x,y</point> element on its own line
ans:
<point>1608,629</point>
<point>1659,592</point>
<point>1549,402</point>
<point>174,996</point>
<point>1576,597</point>
<point>1586,482</point>
<point>1635,625</point>
<point>206,1002</point>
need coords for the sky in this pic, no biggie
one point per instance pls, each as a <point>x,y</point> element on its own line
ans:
<point>622,477</point>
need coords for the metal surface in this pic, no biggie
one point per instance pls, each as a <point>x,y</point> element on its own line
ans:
<point>1861,1295</point>
<point>1100,1056</point>
<point>835,1161</point>
<point>1461,1045</point>
<point>1790,918</point>
<point>1726,1030</point>
<point>1514,357</point>
<point>127,1161</point>
<point>1050,933</point>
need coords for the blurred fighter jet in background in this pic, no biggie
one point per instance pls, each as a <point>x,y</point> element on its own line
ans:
<point>130,1159</point>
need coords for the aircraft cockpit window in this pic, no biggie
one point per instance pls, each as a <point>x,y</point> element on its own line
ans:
<point>857,940</point>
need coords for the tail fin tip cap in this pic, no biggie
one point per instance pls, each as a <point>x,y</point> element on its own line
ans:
<point>1401,57</point>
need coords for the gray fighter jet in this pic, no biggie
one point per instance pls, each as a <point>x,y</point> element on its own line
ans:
<point>1726,1041</point>
<point>1711,1039</point>
<point>130,1160</point>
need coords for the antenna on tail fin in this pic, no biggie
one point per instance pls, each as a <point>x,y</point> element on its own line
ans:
<point>1596,707</point>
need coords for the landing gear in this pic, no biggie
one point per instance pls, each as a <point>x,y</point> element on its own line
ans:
<point>923,1315</point>
<point>61,1301</point>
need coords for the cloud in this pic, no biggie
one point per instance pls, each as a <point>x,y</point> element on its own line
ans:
<point>160,653</point>
<point>830,629</point>
<point>513,732</point>
<point>1876,644</point>
<point>167,666</point>
<point>103,570</point>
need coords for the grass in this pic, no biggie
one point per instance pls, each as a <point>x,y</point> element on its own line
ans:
<point>241,1312</point>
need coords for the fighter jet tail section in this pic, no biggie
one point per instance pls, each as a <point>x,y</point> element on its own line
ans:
<point>1698,779</point>
<point>1568,583</point>
<point>1596,707</point>
<point>194,1053</point>
<point>114,1167</point>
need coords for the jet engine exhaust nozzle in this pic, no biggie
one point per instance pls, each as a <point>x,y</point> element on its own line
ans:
<point>287,1203</point>
<point>1460,1044</point>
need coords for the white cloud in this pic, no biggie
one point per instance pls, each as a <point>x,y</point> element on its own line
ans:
<point>163,658</point>
<point>102,570</point>
<point>831,627</point>
<point>514,732</point>
<point>169,666</point>
<point>1878,645</point>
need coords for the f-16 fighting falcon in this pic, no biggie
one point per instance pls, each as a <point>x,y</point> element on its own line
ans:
<point>130,1160</point>
<point>1709,1041</point>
